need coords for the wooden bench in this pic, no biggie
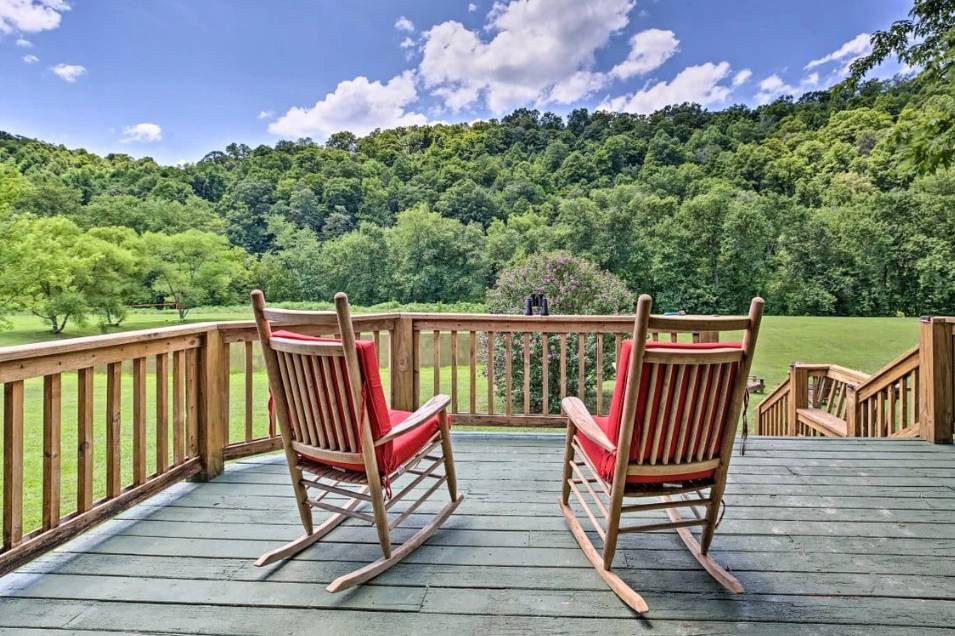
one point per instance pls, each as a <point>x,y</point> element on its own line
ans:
<point>823,421</point>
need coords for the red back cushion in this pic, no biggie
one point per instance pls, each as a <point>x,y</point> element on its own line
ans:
<point>372,390</point>
<point>615,416</point>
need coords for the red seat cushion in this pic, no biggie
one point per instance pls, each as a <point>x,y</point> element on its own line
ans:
<point>394,453</point>
<point>604,460</point>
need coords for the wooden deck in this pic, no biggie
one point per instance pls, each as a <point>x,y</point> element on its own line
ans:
<point>828,536</point>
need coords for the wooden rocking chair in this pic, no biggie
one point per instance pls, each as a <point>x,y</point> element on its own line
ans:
<point>340,438</point>
<point>669,435</point>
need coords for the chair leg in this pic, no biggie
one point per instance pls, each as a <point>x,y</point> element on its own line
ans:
<point>717,571</point>
<point>294,547</point>
<point>381,517</point>
<point>621,589</point>
<point>372,570</point>
<point>567,471</point>
<point>301,500</point>
<point>448,455</point>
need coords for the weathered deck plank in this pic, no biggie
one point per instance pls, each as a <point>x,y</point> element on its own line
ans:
<point>827,536</point>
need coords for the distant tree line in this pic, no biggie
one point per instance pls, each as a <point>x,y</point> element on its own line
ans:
<point>840,202</point>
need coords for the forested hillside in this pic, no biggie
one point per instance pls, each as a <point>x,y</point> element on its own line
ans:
<point>812,203</point>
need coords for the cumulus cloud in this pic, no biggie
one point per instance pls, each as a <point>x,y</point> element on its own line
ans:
<point>143,132</point>
<point>407,43</point>
<point>24,44</point>
<point>847,53</point>
<point>356,105</point>
<point>68,72</point>
<point>648,51</point>
<point>577,86</point>
<point>700,84</point>
<point>404,24</point>
<point>266,114</point>
<point>472,7</point>
<point>535,49</point>
<point>774,86</point>
<point>31,16</point>
<point>30,59</point>
<point>742,77</point>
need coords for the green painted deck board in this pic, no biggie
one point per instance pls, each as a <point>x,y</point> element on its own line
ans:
<point>827,536</point>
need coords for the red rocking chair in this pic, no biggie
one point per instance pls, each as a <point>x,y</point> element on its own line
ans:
<point>669,435</point>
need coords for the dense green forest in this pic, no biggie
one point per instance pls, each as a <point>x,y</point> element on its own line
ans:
<point>834,203</point>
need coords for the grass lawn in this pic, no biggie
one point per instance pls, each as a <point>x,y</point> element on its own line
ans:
<point>860,343</point>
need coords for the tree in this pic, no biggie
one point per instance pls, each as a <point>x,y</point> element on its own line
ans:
<point>192,268</point>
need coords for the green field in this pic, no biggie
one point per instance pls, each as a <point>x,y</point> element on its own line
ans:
<point>861,343</point>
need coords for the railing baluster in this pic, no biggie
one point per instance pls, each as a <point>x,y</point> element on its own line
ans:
<point>581,366</point>
<point>454,371</point>
<point>600,373</point>
<point>178,406</point>
<point>904,382</point>
<point>880,423</point>
<point>526,339</point>
<point>12,464</point>
<point>52,408</point>
<point>508,376</point>
<point>192,403</point>
<point>248,390</point>
<point>416,369</point>
<point>892,424</point>
<point>489,372</point>
<point>84,439</point>
<point>114,485</point>
<point>545,374</point>
<point>139,421</point>
<point>162,413</point>
<point>225,387</point>
<point>472,365</point>
<point>436,361</point>
<point>563,366</point>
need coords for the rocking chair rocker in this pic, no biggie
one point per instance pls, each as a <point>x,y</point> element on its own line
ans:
<point>340,437</point>
<point>669,435</point>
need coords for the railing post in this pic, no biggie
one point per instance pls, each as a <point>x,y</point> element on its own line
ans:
<point>402,364</point>
<point>937,380</point>
<point>212,409</point>
<point>852,412</point>
<point>798,395</point>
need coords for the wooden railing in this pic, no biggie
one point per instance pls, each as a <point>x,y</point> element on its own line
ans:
<point>94,425</point>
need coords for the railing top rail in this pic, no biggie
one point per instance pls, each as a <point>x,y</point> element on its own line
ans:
<point>87,343</point>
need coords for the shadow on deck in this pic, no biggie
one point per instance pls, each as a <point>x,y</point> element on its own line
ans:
<point>827,536</point>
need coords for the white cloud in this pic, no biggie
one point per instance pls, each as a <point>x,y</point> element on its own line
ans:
<point>404,24</point>
<point>577,86</point>
<point>698,84</point>
<point>853,49</point>
<point>356,105</point>
<point>774,86</point>
<point>407,43</point>
<point>266,114</point>
<point>535,45</point>
<point>30,59</point>
<point>648,51</point>
<point>472,7</point>
<point>68,72</point>
<point>31,16</point>
<point>24,44</point>
<point>742,77</point>
<point>144,132</point>
<point>811,80</point>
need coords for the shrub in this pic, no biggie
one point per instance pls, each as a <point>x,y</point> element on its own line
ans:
<point>572,285</point>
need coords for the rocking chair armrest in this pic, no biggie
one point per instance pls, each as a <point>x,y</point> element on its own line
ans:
<point>427,410</point>
<point>580,417</point>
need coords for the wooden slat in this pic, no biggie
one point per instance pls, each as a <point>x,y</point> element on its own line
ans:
<point>84,439</point>
<point>582,366</point>
<point>724,399</point>
<point>224,390</point>
<point>472,368</point>
<point>661,413</point>
<point>326,435</point>
<point>526,348</point>
<point>508,373</point>
<point>647,414</point>
<point>454,371</point>
<point>179,406</point>
<point>416,369</point>
<point>563,366</point>
<point>545,373</point>
<point>672,422</point>
<point>248,390</point>
<point>192,403</point>
<point>489,371</point>
<point>114,484</point>
<point>139,421</point>
<point>904,407</point>
<point>436,362</point>
<point>52,408</point>
<point>12,464</point>
<point>600,373</point>
<point>162,413</point>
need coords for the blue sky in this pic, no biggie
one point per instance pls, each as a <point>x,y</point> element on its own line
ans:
<point>175,79</point>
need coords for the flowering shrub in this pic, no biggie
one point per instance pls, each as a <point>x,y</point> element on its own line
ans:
<point>572,285</point>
